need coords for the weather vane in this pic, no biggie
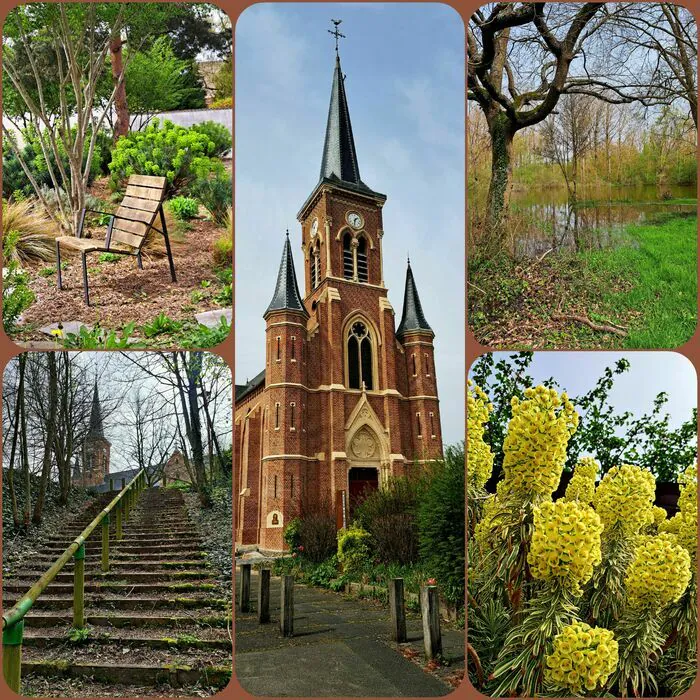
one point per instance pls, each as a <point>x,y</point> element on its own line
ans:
<point>336,33</point>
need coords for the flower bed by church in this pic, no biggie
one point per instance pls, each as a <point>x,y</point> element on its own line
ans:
<point>592,594</point>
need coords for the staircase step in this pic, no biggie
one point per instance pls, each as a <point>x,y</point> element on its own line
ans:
<point>158,638</point>
<point>172,588</point>
<point>173,675</point>
<point>128,575</point>
<point>98,618</point>
<point>61,602</point>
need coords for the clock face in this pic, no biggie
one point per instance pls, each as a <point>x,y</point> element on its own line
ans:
<point>314,227</point>
<point>354,219</point>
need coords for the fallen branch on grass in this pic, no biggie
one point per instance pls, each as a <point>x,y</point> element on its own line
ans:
<point>603,328</point>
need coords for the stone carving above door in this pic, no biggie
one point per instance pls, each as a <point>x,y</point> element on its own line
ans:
<point>364,445</point>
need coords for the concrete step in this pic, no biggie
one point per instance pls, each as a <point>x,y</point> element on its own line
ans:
<point>132,602</point>
<point>135,575</point>
<point>99,618</point>
<point>125,588</point>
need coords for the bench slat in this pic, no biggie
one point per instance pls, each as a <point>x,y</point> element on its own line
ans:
<point>137,227</point>
<point>119,236</point>
<point>147,181</point>
<point>144,192</point>
<point>135,215</point>
<point>140,204</point>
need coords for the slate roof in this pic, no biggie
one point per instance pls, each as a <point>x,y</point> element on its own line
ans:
<point>412,318</point>
<point>242,390</point>
<point>286,296</point>
<point>116,477</point>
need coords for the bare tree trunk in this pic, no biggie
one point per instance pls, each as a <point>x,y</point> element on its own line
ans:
<point>15,433</point>
<point>25,456</point>
<point>121,125</point>
<point>50,436</point>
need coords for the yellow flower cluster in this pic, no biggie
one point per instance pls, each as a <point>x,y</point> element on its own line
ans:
<point>479,455</point>
<point>684,524</point>
<point>582,657</point>
<point>582,484</point>
<point>485,532</point>
<point>535,445</point>
<point>565,543</point>
<point>625,496</point>
<point>659,572</point>
<point>659,515</point>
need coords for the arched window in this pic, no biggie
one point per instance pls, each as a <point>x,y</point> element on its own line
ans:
<point>359,357</point>
<point>348,261</point>
<point>362,270</point>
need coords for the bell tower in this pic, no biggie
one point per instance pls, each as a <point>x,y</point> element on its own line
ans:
<point>341,219</point>
<point>96,449</point>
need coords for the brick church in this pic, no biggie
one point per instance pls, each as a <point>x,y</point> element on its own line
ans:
<point>92,467</point>
<point>346,398</point>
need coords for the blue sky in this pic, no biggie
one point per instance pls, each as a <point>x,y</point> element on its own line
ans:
<point>405,84</point>
<point>635,390</point>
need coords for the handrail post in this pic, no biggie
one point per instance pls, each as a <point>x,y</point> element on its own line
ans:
<point>123,483</point>
<point>119,510</point>
<point>12,654</point>
<point>111,485</point>
<point>105,543</point>
<point>79,588</point>
<point>125,500</point>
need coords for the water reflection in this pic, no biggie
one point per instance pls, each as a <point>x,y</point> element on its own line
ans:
<point>554,224</point>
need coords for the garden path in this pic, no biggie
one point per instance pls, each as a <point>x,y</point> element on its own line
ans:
<point>341,647</point>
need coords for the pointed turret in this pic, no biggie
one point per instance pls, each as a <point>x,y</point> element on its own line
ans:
<point>412,319</point>
<point>286,296</point>
<point>96,428</point>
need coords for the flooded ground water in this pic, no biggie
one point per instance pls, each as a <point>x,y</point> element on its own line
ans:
<point>547,221</point>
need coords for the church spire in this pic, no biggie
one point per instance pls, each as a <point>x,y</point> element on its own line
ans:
<point>286,296</point>
<point>339,160</point>
<point>96,428</point>
<point>412,318</point>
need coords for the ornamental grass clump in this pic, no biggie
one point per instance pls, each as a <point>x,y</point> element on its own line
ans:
<point>479,457</point>
<point>535,446</point>
<point>582,484</point>
<point>565,544</point>
<point>583,657</point>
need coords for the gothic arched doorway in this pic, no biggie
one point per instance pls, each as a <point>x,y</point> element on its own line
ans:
<point>361,482</point>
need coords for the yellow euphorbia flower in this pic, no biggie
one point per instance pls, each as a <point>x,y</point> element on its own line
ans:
<point>659,572</point>
<point>587,655</point>
<point>569,554</point>
<point>479,455</point>
<point>535,445</point>
<point>582,484</point>
<point>625,497</point>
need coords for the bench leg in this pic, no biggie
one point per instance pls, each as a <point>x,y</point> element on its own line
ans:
<point>170,259</point>
<point>139,261</point>
<point>58,264</point>
<point>85,280</point>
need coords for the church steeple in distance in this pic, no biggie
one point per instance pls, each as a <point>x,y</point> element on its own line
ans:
<point>96,429</point>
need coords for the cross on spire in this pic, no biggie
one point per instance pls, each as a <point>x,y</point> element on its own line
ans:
<point>334,32</point>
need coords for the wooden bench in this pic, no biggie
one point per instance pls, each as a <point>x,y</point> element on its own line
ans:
<point>127,227</point>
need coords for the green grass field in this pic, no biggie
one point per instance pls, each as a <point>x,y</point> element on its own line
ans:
<point>660,268</point>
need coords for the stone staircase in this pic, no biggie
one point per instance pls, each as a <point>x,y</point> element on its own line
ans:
<point>157,619</point>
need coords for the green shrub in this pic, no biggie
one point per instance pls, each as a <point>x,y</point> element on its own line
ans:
<point>184,208</point>
<point>176,152</point>
<point>99,338</point>
<point>324,573</point>
<point>441,525</point>
<point>317,534</point>
<point>223,251</point>
<point>161,324</point>
<point>225,296</point>
<point>292,534</point>
<point>204,337</point>
<point>218,134</point>
<point>389,514</point>
<point>222,103</point>
<point>354,548</point>
<point>223,81</point>
<point>214,189</point>
<point>34,238</point>
<point>16,294</point>
<point>109,257</point>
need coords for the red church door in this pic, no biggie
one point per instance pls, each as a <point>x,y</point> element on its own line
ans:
<point>361,481</point>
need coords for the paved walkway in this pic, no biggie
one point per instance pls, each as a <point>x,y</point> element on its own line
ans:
<point>341,647</point>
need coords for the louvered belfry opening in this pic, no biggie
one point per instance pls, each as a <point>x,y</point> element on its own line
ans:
<point>348,266</point>
<point>362,268</point>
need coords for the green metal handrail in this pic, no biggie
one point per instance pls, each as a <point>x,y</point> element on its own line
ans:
<point>13,620</point>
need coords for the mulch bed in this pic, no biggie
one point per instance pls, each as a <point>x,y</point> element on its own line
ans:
<point>121,293</point>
